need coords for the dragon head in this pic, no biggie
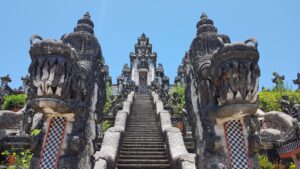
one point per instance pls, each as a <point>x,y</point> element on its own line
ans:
<point>227,74</point>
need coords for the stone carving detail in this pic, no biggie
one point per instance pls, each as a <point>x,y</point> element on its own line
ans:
<point>297,81</point>
<point>221,81</point>
<point>278,80</point>
<point>67,79</point>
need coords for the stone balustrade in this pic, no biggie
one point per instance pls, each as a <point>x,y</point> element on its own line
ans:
<point>107,156</point>
<point>180,158</point>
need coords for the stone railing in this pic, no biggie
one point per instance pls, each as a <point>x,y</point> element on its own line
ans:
<point>179,156</point>
<point>8,119</point>
<point>107,156</point>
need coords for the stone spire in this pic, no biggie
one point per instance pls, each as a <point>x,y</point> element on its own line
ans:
<point>85,24</point>
<point>5,80</point>
<point>205,25</point>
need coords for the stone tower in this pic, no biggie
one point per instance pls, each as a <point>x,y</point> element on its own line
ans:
<point>142,70</point>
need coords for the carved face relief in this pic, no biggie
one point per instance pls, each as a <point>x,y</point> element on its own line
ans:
<point>54,80</point>
<point>229,77</point>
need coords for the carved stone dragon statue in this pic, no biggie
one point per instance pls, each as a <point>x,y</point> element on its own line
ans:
<point>221,91</point>
<point>67,85</point>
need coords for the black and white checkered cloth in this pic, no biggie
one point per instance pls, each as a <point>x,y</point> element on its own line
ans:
<point>53,140</point>
<point>236,143</point>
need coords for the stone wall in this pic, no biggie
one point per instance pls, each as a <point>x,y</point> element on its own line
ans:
<point>107,156</point>
<point>179,156</point>
<point>9,119</point>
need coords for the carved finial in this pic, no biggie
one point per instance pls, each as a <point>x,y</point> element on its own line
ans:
<point>204,16</point>
<point>143,35</point>
<point>278,80</point>
<point>85,24</point>
<point>297,81</point>
<point>87,16</point>
<point>205,24</point>
<point>6,79</point>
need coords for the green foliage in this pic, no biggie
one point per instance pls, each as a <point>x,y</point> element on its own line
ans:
<point>270,99</point>
<point>13,101</point>
<point>264,162</point>
<point>177,104</point>
<point>105,125</point>
<point>292,166</point>
<point>16,159</point>
<point>108,102</point>
<point>108,90</point>
<point>35,132</point>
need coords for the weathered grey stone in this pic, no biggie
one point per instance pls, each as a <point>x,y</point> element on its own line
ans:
<point>110,147</point>
<point>159,106</point>
<point>126,106</point>
<point>120,120</point>
<point>187,161</point>
<point>221,80</point>
<point>36,120</point>
<point>100,164</point>
<point>130,97</point>
<point>10,118</point>
<point>155,97</point>
<point>165,120</point>
<point>270,134</point>
<point>175,143</point>
<point>68,79</point>
<point>279,120</point>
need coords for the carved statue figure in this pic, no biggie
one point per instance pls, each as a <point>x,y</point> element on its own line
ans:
<point>278,80</point>
<point>297,81</point>
<point>68,87</point>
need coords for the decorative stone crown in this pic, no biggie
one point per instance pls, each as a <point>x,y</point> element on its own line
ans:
<point>40,47</point>
<point>85,24</point>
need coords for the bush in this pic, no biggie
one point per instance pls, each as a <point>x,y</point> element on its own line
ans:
<point>105,125</point>
<point>109,101</point>
<point>292,166</point>
<point>264,162</point>
<point>177,104</point>
<point>13,101</point>
<point>16,159</point>
<point>270,99</point>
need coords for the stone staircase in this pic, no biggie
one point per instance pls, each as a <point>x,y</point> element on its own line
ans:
<point>143,146</point>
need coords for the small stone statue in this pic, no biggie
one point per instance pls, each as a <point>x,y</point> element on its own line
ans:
<point>286,107</point>
<point>278,80</point>
<point>297,81</point>
<point>285,104</point>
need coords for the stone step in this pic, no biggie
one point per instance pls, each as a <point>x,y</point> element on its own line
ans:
<point>143,123</point>
<point>152,149</point>
<point>128,140</point>
<point>142,156</point>
<point>143,161</point>
<point>143,143</point>
<point>132,119</point>
<point>143,130</point>
<point>142,153</point>
<point>145,138</point>
<point>143,115</point>
<point>143,166</point>
<point>142,135</point>
<point>143,146</point>
<point>140,125</point>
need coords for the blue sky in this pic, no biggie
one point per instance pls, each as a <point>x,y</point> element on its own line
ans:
<point>170,24</point>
